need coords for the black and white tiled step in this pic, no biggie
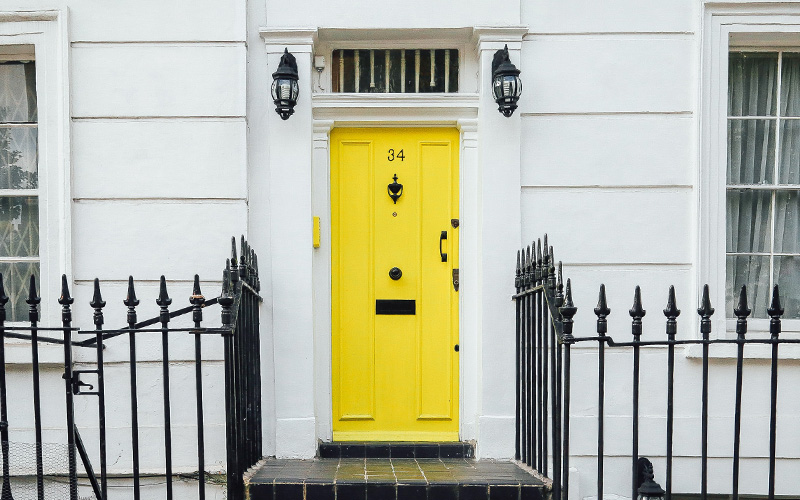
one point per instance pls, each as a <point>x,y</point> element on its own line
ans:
<point>393,479</point>
<point>396,450</point>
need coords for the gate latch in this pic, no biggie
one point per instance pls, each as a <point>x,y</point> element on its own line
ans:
<point>77,383</point>
<point>455,279</point>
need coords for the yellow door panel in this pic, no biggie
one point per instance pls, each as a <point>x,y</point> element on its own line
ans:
<point>395,367</point>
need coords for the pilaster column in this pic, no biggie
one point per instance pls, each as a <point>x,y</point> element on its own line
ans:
<point>499,238</point>
<point>289,152</point>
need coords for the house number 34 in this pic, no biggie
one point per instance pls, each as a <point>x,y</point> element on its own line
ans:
<point>399,155</point>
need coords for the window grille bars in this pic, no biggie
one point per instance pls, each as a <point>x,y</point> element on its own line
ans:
<point>395,70</point>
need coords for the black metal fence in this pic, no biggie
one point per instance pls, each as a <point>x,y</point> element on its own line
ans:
<point>239,304</point>
<point>545,312</point>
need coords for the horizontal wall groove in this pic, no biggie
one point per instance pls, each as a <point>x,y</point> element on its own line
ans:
<point>221,118</point>
<point>666,187</point>
<point>608,113</point>
<point>629,265</point>
<point>194,201</point>
<point>166,43</point>
<point>648,34</point>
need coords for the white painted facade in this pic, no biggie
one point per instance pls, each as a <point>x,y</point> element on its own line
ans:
<point>161,142</point>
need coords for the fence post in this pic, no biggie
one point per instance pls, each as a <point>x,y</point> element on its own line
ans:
<point>66,321</point>
<point>197,300</point>
<point>131,301</point>
<point>5,494</point>
<point>33,314</point>
<point>98,304</point>
<point>163,301</point>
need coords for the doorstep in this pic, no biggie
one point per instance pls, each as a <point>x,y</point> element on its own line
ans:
<point>392,479</point>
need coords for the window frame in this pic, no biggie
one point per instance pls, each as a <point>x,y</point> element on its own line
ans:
<point>46,32</point>
<point>730,27</point>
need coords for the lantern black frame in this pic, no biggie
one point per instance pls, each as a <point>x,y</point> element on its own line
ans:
<point>502,68</point>
<point>285,74</point>
<point>648,488</point>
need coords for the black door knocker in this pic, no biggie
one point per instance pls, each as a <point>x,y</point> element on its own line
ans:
<point>395,189</point>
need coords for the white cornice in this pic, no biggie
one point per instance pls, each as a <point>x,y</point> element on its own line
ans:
<point>502,34</point>
<point>383,108</point>
<point>289,36</point>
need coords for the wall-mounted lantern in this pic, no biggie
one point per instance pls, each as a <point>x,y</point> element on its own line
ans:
<point>506,85</point>
<point>285,88</point>
<point>648,488</point>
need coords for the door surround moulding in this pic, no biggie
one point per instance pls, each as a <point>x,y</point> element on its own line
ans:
<point>458,111</point>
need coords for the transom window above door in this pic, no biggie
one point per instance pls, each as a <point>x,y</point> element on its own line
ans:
<point>763,179</point>
<point>395,70</point>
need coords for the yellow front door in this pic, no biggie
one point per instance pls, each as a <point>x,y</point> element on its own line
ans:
<point>395,307</point>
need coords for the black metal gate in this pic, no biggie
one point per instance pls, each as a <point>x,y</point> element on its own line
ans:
<point>239,303</point>
<point>544,338</point>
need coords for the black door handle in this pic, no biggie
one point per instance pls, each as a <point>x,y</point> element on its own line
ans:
<point>441,239</point>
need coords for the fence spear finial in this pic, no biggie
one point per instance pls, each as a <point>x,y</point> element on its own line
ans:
<point>559,287</point>
<point>130,298</point>
<point>775,312</point>
<point>672,312</point>
<point>705,311</point>
<point>65,297</point>
<point>196,287</point>
<point>602,311</point>
<point>637,313</point>
<point>567,311</point>
<point>163,299</point>
<point>518,276</point>
<point>526,266</point>
<point>97,299</point>
<point>131,301</point>
<point>234,255</point>
<point>33,301</point>
<point>97,304</point>
<point>66,301</point>
<point>742,312</point>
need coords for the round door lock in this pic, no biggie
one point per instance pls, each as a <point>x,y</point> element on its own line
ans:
<point>395,273</point>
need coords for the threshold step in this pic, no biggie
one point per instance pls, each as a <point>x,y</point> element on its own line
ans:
<point>396,449</point>
<point>393,479</point>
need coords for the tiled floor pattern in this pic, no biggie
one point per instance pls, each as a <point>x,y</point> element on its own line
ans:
<point>393,479</point>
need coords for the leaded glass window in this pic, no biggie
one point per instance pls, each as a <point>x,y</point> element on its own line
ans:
<point>395,70</point>
<point>763,179</point>
<point>19,184</point>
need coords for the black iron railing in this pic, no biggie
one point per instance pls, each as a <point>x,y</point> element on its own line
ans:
<point>239,303</point>
<point>544,339</point>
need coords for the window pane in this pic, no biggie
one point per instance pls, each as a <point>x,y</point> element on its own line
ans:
<point>16,279</point>
<point>790,85</point>
<point>751,151</point>
<point>787,222</point>
<point>787,277</point>
<point>18,158</point>
<point>17,92</point>
<point>789,166</point>
<point>19,226</point>
<point>748,227</point>
<point>752,271</point>
<point>752,83</point>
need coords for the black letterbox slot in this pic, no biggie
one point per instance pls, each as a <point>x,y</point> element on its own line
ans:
<point>395,306</point>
